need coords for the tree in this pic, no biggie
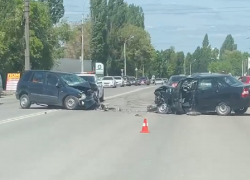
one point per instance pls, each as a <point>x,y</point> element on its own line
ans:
<point>228,44</point>
<point>139,49</point>
<point>205,42</point>
<point>56,9</point>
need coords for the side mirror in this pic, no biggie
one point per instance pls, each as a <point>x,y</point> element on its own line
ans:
<point>58,85</point>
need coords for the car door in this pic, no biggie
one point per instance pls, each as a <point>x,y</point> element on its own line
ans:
<point>207,94</point>
<point>176,97</point>
<point>35,87</point>
<point>51,90</point>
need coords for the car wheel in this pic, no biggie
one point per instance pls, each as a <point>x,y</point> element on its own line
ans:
<point>241,111</point>
<point>102,98</point>
<point>223,109</point>
<point>163,109</point>
<point>71,103</point>
<point>25,101</point>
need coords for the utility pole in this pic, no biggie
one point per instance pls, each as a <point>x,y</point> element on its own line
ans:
<point>125,60</point>
<point>27,34</point>
<point>184,64</point>
<point>82,55</point>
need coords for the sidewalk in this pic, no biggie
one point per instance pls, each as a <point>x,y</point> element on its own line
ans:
<point>8,93</point>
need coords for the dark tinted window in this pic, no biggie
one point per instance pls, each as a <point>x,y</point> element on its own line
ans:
<point>88,78</point>
<point>176,78</point>
<point>230,80</point>
<point>38,77</point>
<point>52,80</point>
<point>205,84</point>
<point>107,78</point>
<point>26,76</point>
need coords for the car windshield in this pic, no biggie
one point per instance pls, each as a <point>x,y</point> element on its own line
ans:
<point>176,78</point>
<point>88,78</point>
<point>118,77</point>
<point>232,81</point>
<point>107,78</point>
<point>71,79</point>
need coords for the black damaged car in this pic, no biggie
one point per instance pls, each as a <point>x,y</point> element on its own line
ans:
<point>204,93</point>
<point>55,89</point>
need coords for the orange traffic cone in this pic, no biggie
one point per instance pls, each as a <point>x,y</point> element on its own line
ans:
<point>145,127</point>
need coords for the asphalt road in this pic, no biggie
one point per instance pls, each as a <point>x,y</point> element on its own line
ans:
<point>96,145</point>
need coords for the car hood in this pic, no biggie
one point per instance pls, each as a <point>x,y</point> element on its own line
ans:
<point>85,86</point>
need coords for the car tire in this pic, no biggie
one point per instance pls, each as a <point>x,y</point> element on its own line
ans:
<point>241,111</point>
<point>71,103</point>
<point>223,109</point>
<point>102,98</point>
<point>162,109</point>
<point>25,101</point>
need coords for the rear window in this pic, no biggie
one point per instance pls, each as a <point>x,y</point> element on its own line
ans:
<point>107,78</point>
<point>176,78</point>
<point>118,78</point>
<point>230,80</point>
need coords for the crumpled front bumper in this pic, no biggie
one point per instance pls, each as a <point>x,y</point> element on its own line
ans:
<point>89,102</point>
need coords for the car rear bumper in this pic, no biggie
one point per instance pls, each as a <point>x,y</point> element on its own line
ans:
<point>243,102</point>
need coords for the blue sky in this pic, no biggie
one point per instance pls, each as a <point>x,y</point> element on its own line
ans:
<point>183,24</point>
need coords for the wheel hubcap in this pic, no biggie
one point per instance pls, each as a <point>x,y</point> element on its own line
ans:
<point>24,101</point>
<point>223,108</point>
<point>71,102</point>
<point>163,108</point>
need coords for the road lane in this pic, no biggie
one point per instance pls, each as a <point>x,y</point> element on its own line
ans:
<point>97,145</point>
<point>10,106</point>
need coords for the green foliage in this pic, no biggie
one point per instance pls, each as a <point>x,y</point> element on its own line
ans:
<point>56,9</point>
<point>44,38</point>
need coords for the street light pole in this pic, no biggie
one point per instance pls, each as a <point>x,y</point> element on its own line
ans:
<point>124,52</point>
<point>125,60</point>
<point>82,54</point>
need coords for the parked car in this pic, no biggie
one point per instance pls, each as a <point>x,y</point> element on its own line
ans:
<point>159,81</point>
<point>144,81</point>
<point>109,81</point>
<point>119,81</point>
<point>173,80</point>
<point>127,81</point>
<point>133,81</point>
<point>55,89</point>
<point>245,79</point>
<point>92,78</point>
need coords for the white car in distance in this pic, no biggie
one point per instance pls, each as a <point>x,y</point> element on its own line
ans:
<point>159,81</point>
<point>109,81</point>
<point>92,78</point>
<point>119,81</point>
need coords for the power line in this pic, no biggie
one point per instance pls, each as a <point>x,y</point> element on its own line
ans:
<point>188,10</point>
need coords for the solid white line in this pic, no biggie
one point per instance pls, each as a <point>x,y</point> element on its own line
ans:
<point>55,110</point>
<point>26,116</point>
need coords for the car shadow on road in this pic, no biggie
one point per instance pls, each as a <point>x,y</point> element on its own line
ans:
<point>233,114</point>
